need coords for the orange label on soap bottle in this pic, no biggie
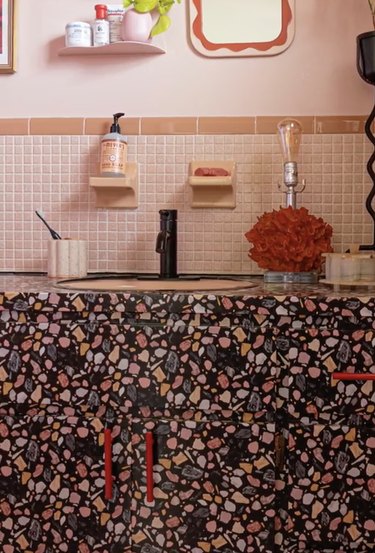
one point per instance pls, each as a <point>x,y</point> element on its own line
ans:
<point>113,157</point>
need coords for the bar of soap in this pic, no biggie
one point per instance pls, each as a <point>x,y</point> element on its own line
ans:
<point>211,172</point>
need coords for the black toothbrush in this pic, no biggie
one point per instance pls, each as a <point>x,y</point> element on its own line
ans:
<point>55,235</point>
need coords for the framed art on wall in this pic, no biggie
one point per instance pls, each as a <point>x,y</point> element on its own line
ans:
<point>7,36</point>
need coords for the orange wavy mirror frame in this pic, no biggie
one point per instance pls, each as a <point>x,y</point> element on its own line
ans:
<point>219,28</point>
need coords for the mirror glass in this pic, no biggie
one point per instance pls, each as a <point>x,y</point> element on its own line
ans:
<point>220,28</point>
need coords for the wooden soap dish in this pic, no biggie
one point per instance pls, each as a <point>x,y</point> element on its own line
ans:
<point>213,191</point>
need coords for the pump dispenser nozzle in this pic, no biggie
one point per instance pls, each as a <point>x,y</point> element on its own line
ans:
<point>115,127</point>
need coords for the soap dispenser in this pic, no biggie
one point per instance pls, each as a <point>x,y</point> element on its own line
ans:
<point>113,151</point>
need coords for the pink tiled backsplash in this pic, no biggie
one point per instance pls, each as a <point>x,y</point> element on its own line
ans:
<point>52,172</point>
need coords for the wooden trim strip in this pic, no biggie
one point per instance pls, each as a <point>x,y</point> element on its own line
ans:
<point>226,125</point>
<point>168,125</point>
<point>335,124</point>
<point>101,125</point>
<point>343,124</point>
<point>56,126</point>
<point>13,127</point>
<point>268,124</point>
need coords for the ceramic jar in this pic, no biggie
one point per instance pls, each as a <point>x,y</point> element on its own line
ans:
<point>136,26</point>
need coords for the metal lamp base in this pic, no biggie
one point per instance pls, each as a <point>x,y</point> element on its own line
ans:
<point>310,277</point>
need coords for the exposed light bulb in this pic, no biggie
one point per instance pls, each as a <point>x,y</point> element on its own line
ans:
<point>289,133</point>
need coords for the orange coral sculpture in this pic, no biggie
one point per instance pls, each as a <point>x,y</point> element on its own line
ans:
<point>289,240</point>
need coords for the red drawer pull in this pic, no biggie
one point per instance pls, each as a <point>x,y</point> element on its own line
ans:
<point>353,376</point>
<point>108,480</point>
<point>149,466</point>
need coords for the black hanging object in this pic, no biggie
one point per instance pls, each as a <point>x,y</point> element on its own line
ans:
<point>366,69</point>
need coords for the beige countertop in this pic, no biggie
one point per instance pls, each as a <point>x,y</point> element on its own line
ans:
<point>37,296</point>
<point>38,283</point>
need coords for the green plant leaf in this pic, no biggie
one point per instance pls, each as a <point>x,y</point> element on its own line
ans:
<point>144,6</point>
<point>161,25</point>
<point>165,6</point>
<point>127,3</point>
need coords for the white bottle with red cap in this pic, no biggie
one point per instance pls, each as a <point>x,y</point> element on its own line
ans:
<point>100,28</point>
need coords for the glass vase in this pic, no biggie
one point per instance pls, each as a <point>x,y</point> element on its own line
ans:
<point>136,26</point>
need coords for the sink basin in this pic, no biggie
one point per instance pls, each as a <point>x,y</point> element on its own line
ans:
<point>143,284</point>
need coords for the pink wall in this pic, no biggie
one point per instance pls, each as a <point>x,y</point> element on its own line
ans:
<point>316,75</point>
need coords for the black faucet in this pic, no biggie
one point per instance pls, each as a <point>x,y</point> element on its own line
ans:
<point>166,243</point>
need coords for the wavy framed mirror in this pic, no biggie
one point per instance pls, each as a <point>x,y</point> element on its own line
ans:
<point>219,28</point>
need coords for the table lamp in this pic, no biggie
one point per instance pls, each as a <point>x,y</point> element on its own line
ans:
<point>289,134</point>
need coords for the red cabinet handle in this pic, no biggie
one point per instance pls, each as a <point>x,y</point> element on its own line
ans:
<point>353,376</point>
<point>149,466</point>
<point>108,480</point>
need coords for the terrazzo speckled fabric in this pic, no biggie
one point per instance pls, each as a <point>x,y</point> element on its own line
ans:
<point>256,449</point>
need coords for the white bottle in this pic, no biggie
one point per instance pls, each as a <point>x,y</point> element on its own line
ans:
<point>78,33</point>
<point>113,151</point>
<point>114,16</point>
<point>101,26</point>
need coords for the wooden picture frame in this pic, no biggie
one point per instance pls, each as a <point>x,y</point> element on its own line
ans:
<point>219,28</point>
<point>7,36</point>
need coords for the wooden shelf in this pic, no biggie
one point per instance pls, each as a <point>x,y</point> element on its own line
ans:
<point>114,192</point>
<point>116,48</point>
